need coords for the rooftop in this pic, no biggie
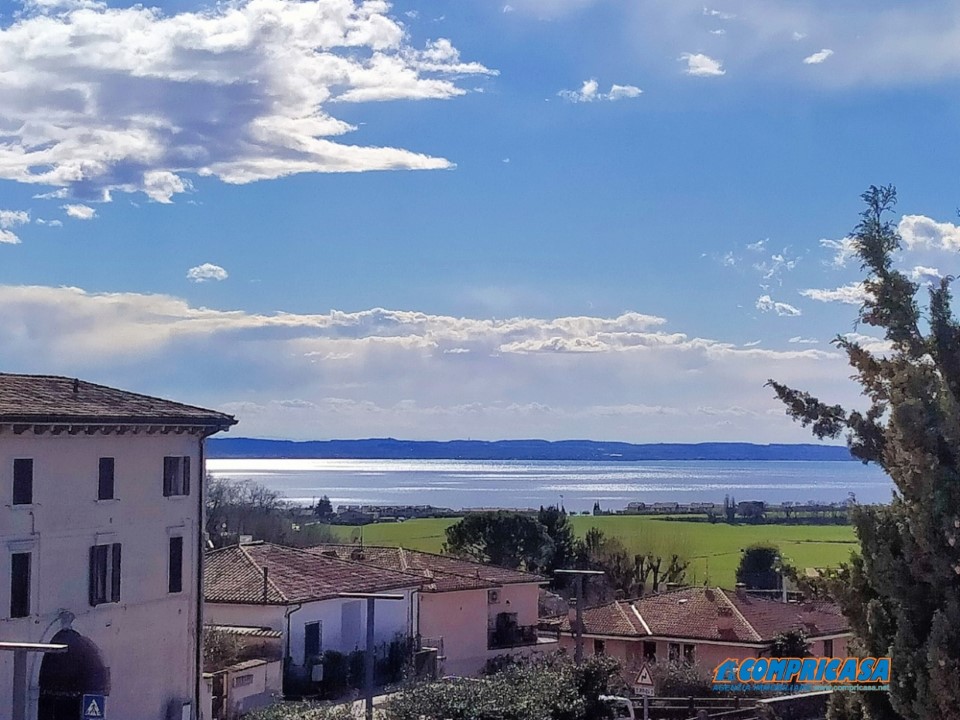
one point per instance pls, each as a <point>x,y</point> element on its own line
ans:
<point>703,613</point>
<point>236,575</point>
<point>50,399</point>
<point>445,573</point>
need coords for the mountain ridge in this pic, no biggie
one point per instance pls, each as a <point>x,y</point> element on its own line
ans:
<point>531,449</point>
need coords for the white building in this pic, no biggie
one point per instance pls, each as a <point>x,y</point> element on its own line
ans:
<point>101,545</point>
<point>297,592</point>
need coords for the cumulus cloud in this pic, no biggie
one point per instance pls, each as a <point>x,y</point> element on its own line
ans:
<point>700,65</point>
<point>405,373</point>
<point>817,57</point>
<point>99,99</point>
<point>207,271</point>
<point>11,219</point>
<point>926,275</point>
<point>766,304</point>
<point>842,249</point>
<point>920,233</point>
<point>852,294</point>
<point>590,91</point>
<point>80,212</point>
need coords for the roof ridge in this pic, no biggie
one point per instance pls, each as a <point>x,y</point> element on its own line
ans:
<point>269,580</point>
<point>739,614</point>
<point>643,622</point>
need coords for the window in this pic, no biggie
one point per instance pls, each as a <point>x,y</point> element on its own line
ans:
<point>22,481</point>
<point>689,654</point>
<point>175,565</point>
<point>674,652</point>
<point>311,641</point>
<point>176,476</point>
<point>104,574</point>
<point>19,585</point>
<point>105,482</point>
<point>649,651</point>
<point>828,648</point>
<point>599,647</point>
<point>243,680</point>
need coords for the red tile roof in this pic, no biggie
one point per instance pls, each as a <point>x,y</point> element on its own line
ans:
<point>444,572</point>
<point>27,399</point>
<point>235,575</point>
<point>710,614</point>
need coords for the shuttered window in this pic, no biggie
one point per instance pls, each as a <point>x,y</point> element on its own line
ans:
<point>104,574</point>
<point>22,481</point>
<point>176,476</point>
<point>175,565</point>
<point>105,480</point>
<point>19,585</point>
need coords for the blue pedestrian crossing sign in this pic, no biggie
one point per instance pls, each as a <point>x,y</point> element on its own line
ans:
<point>94,707</point>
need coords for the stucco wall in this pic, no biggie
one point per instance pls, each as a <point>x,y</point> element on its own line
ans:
<point>58,529</point>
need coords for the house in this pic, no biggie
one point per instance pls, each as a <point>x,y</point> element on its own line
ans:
<point>703,626</point>
<point>102,536</point>
<point>297,593</point>
<point>470,611</point>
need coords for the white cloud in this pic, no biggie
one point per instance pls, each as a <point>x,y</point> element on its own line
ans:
<point>80,212</point>
<point>798,36</point>
<point>700,65</point>
<point>869,342</point>
<point>920,232</point>
<point>818,57</point>
<point>508,9</point>
<point>766,304</point>
<point>718,31</point>
<point>774,267</point>
<point>12,218</point>
<point>8,237</point>
<point>207,271</point>
<point>926,275</point>
<point>590,91</point>
<point>403,373</point>
<point>759,245</point>
<point>49,223</point>
<point>803,341</point>
<point>99,99</point>
<point>843,250</point>
<point>719,14</point>
<point>852,294</point>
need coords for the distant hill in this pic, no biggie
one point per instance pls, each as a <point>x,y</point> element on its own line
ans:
<point>390,449</point>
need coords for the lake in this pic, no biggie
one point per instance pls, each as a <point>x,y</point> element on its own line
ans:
<point>520,484</point>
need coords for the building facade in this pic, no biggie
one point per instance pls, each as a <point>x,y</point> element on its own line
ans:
<point>101,545</point>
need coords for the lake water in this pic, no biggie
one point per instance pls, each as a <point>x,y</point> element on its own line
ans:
<point>520,484</point>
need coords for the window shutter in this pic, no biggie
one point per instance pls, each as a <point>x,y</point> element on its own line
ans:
<point>115,578</point>
<point>93,575</point>
<point>186,475</point>
<point>169,470</point>
<point>175,583</point>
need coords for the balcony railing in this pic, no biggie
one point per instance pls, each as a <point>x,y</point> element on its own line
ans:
<point>512,636</point>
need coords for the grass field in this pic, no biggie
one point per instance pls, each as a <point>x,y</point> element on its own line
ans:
<point>713,550</point>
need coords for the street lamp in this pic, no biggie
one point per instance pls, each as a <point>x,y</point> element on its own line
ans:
<point>371,599</point>
<point>579,574</point>
<point>20,650</point>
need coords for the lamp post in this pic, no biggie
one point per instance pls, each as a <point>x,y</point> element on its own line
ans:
<point>20,650</point>
<point>371,599</point>
<point>579,574</point>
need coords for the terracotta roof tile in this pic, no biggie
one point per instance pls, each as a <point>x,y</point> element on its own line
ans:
<point>235,575</point>
<point>710,614</point>
<point>52,399</point>
<point>445,573</point>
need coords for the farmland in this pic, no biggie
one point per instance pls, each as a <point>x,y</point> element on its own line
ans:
<point>712,549</point>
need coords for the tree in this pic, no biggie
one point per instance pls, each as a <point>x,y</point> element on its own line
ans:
<point>323,508</point>
<point>508,539</point>
<point>789,644</point>
<point>628,575</point>
<point>758,567</point>
<point>560,532</point>
<point>903,592</point>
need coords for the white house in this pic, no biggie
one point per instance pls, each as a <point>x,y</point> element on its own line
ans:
<point>101,545</point>
<point>298,593</point>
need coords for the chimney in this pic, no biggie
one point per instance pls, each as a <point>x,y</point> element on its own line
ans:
<point>572,615</point>
<point>76,386</point>
<point>741,590</point>
<point>724,618</point>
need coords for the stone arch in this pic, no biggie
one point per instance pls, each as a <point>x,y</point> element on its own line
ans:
<point>66,677</point>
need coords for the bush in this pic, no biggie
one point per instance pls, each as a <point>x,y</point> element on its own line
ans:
<point>304,711</point>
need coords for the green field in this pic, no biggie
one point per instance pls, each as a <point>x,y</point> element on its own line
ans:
<point>713,550</point>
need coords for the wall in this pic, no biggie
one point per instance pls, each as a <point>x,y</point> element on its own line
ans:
<point>264,689</point>
<point>65,520</point>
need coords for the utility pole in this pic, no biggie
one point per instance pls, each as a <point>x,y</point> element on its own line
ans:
<point>579,575</point>
<point>20,650</point>
<point>371,599</point>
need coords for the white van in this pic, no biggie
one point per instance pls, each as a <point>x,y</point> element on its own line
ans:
<point>622,707</point>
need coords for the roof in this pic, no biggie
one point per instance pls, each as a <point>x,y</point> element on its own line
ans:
<point>236,575</point>
<point>446,573</point>
<point>703,613</point>
<point>46,399</point>
<point>246,631</point>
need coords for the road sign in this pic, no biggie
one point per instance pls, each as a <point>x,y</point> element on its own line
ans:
<point>643,685</point>
<point>94,707</point>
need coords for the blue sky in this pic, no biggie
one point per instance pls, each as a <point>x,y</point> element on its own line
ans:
<point>548,218</point>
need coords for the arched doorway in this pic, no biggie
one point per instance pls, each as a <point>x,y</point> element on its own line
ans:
<point>65,677</point>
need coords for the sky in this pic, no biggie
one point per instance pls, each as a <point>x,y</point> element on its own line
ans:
<point>466,218</point>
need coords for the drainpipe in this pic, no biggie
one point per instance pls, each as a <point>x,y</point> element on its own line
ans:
<point>201,549</point>
<point>287,660</point>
